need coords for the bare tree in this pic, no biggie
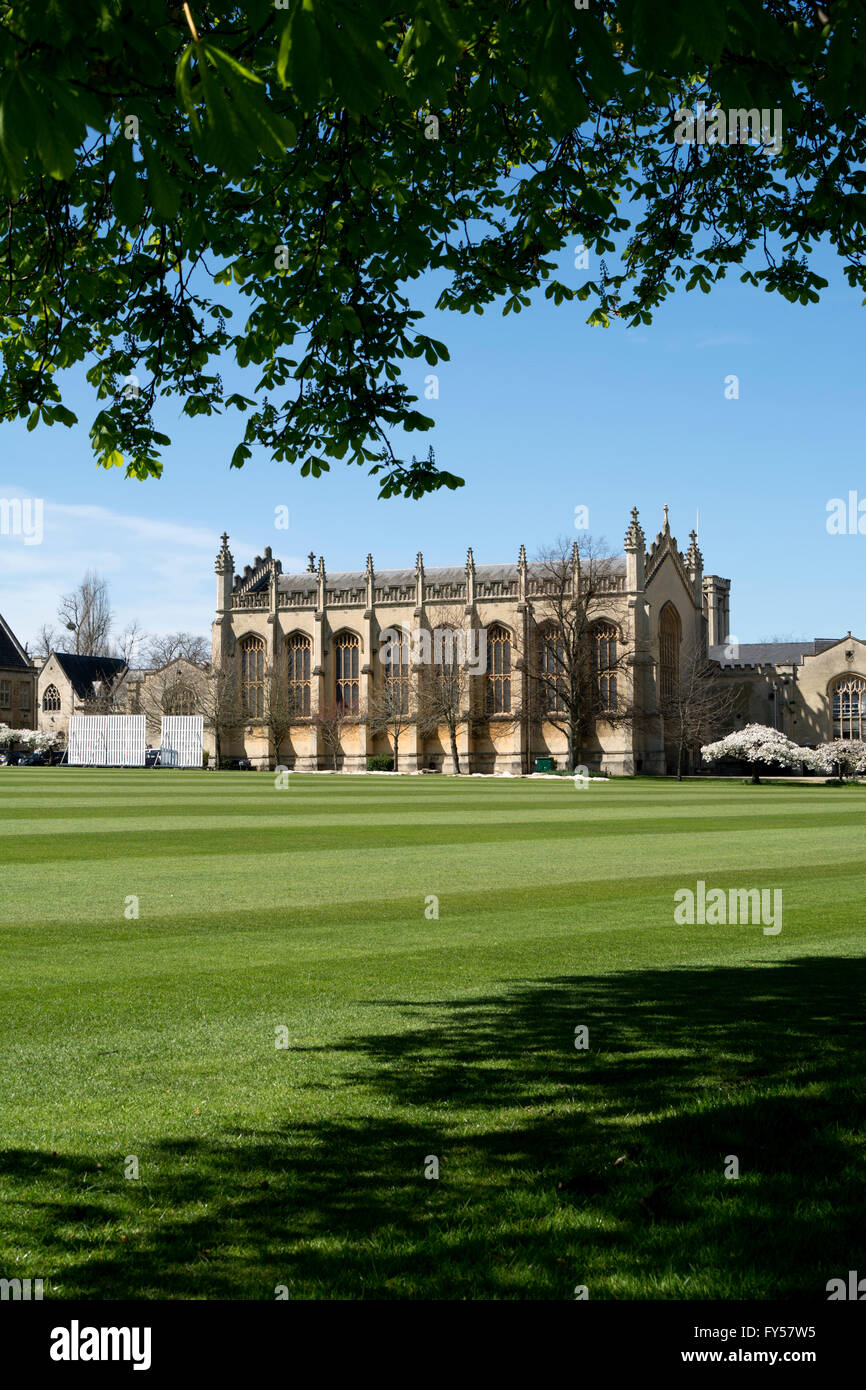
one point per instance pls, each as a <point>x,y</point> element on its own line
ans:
<point>174,690</point>
<point>163,648</point>
<point>444,695</point>
<point>48,639</point>
<point>130,642</point>
<point>331,721</point>
<point>280,709</point>
<point>391,707</point>
<point>221,702</point>
<point>86,613</point>
<point>577,676</point>
<point>106,696</point>
<point>700,706</point>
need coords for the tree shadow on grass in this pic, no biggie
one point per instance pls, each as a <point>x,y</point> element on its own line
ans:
<point>557,1166</point>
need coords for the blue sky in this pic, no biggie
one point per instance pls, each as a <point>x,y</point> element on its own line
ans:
<point>540,414</point>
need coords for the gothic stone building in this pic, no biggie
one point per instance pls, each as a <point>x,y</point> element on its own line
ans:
<point>322,634</point>
<point>17,682</point>
<point>812,691</point>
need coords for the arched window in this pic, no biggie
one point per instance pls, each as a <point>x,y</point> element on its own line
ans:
<point>253,677</point>
<point>395,659</point>
<point>849,707</point>
<point>299,651</point>
<point>51,700</point>
<point>346,672</point>
<point>604,662</point>
<point>670,631</point>
<point>179,699</point>
<point>498,671</point>
<point>552,670</point>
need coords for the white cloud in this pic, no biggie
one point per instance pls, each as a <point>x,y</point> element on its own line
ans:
<point>159,571</point>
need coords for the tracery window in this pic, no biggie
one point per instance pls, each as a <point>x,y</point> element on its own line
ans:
<point>396,664</point>
<point>347,650</point>
<point>552,667</point>
<point>670,631</point>
<point>498,671</point>
<point>253,677</point>
<point>299,655</point>
<point>849,707</point>
<point>604,657</point>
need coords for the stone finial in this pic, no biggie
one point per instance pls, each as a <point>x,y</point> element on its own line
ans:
<point>521,559</point>
<point>667,526</point>
<point>634,536</point>
<point>470,559</point>
<point>311,563</point>
<point>321,567</point>
<point>224,562</point>
<point>369,569</point>
<point>419,583</point>
<point>694,558</point>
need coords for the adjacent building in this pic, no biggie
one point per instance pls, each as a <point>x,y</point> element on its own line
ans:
<point>17,682</point>
<point>71,684</point>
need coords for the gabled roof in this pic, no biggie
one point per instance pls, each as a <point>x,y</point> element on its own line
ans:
<point>82,671</point>
<point>433,574</point>
<point>11,651</point>
<point>774,653</point>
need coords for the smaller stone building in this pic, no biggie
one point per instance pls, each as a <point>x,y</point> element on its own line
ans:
<point>71,684</point>
<point>811,691</point>
<point>17,682</point>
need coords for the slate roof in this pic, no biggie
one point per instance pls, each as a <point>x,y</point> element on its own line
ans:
<point>82,671</point>
<point>774,653</point>
<point>433,574</point>
<point>10,652</point>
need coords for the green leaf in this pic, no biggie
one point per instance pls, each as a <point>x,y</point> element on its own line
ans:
<point>164,190</point>
<point>299,56</point>
<point>126,195</point>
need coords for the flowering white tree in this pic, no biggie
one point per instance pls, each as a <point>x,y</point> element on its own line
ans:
<point>844,756</point>
<point>757,743</point>
<point>34,739</point>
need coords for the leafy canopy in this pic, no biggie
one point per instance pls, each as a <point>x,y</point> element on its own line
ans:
<point>322,155</point>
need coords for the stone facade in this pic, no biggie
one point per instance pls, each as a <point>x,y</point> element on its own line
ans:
<point>262,613</point>
<point>17,682</point>
<point>71,684</point>
<point>811,691</point>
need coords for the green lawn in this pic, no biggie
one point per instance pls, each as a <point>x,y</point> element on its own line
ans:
<point>411,1036</point>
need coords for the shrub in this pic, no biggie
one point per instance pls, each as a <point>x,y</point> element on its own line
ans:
<point>380,762</point>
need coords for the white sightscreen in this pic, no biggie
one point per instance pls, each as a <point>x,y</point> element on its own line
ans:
<point>181,740</point>
<point>106,740</point>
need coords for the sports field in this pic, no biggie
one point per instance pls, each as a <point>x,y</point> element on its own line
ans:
<point>306,916</point>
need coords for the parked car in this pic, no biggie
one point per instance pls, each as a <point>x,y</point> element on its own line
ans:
<point>33,760</point>
<point>152,756</point>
